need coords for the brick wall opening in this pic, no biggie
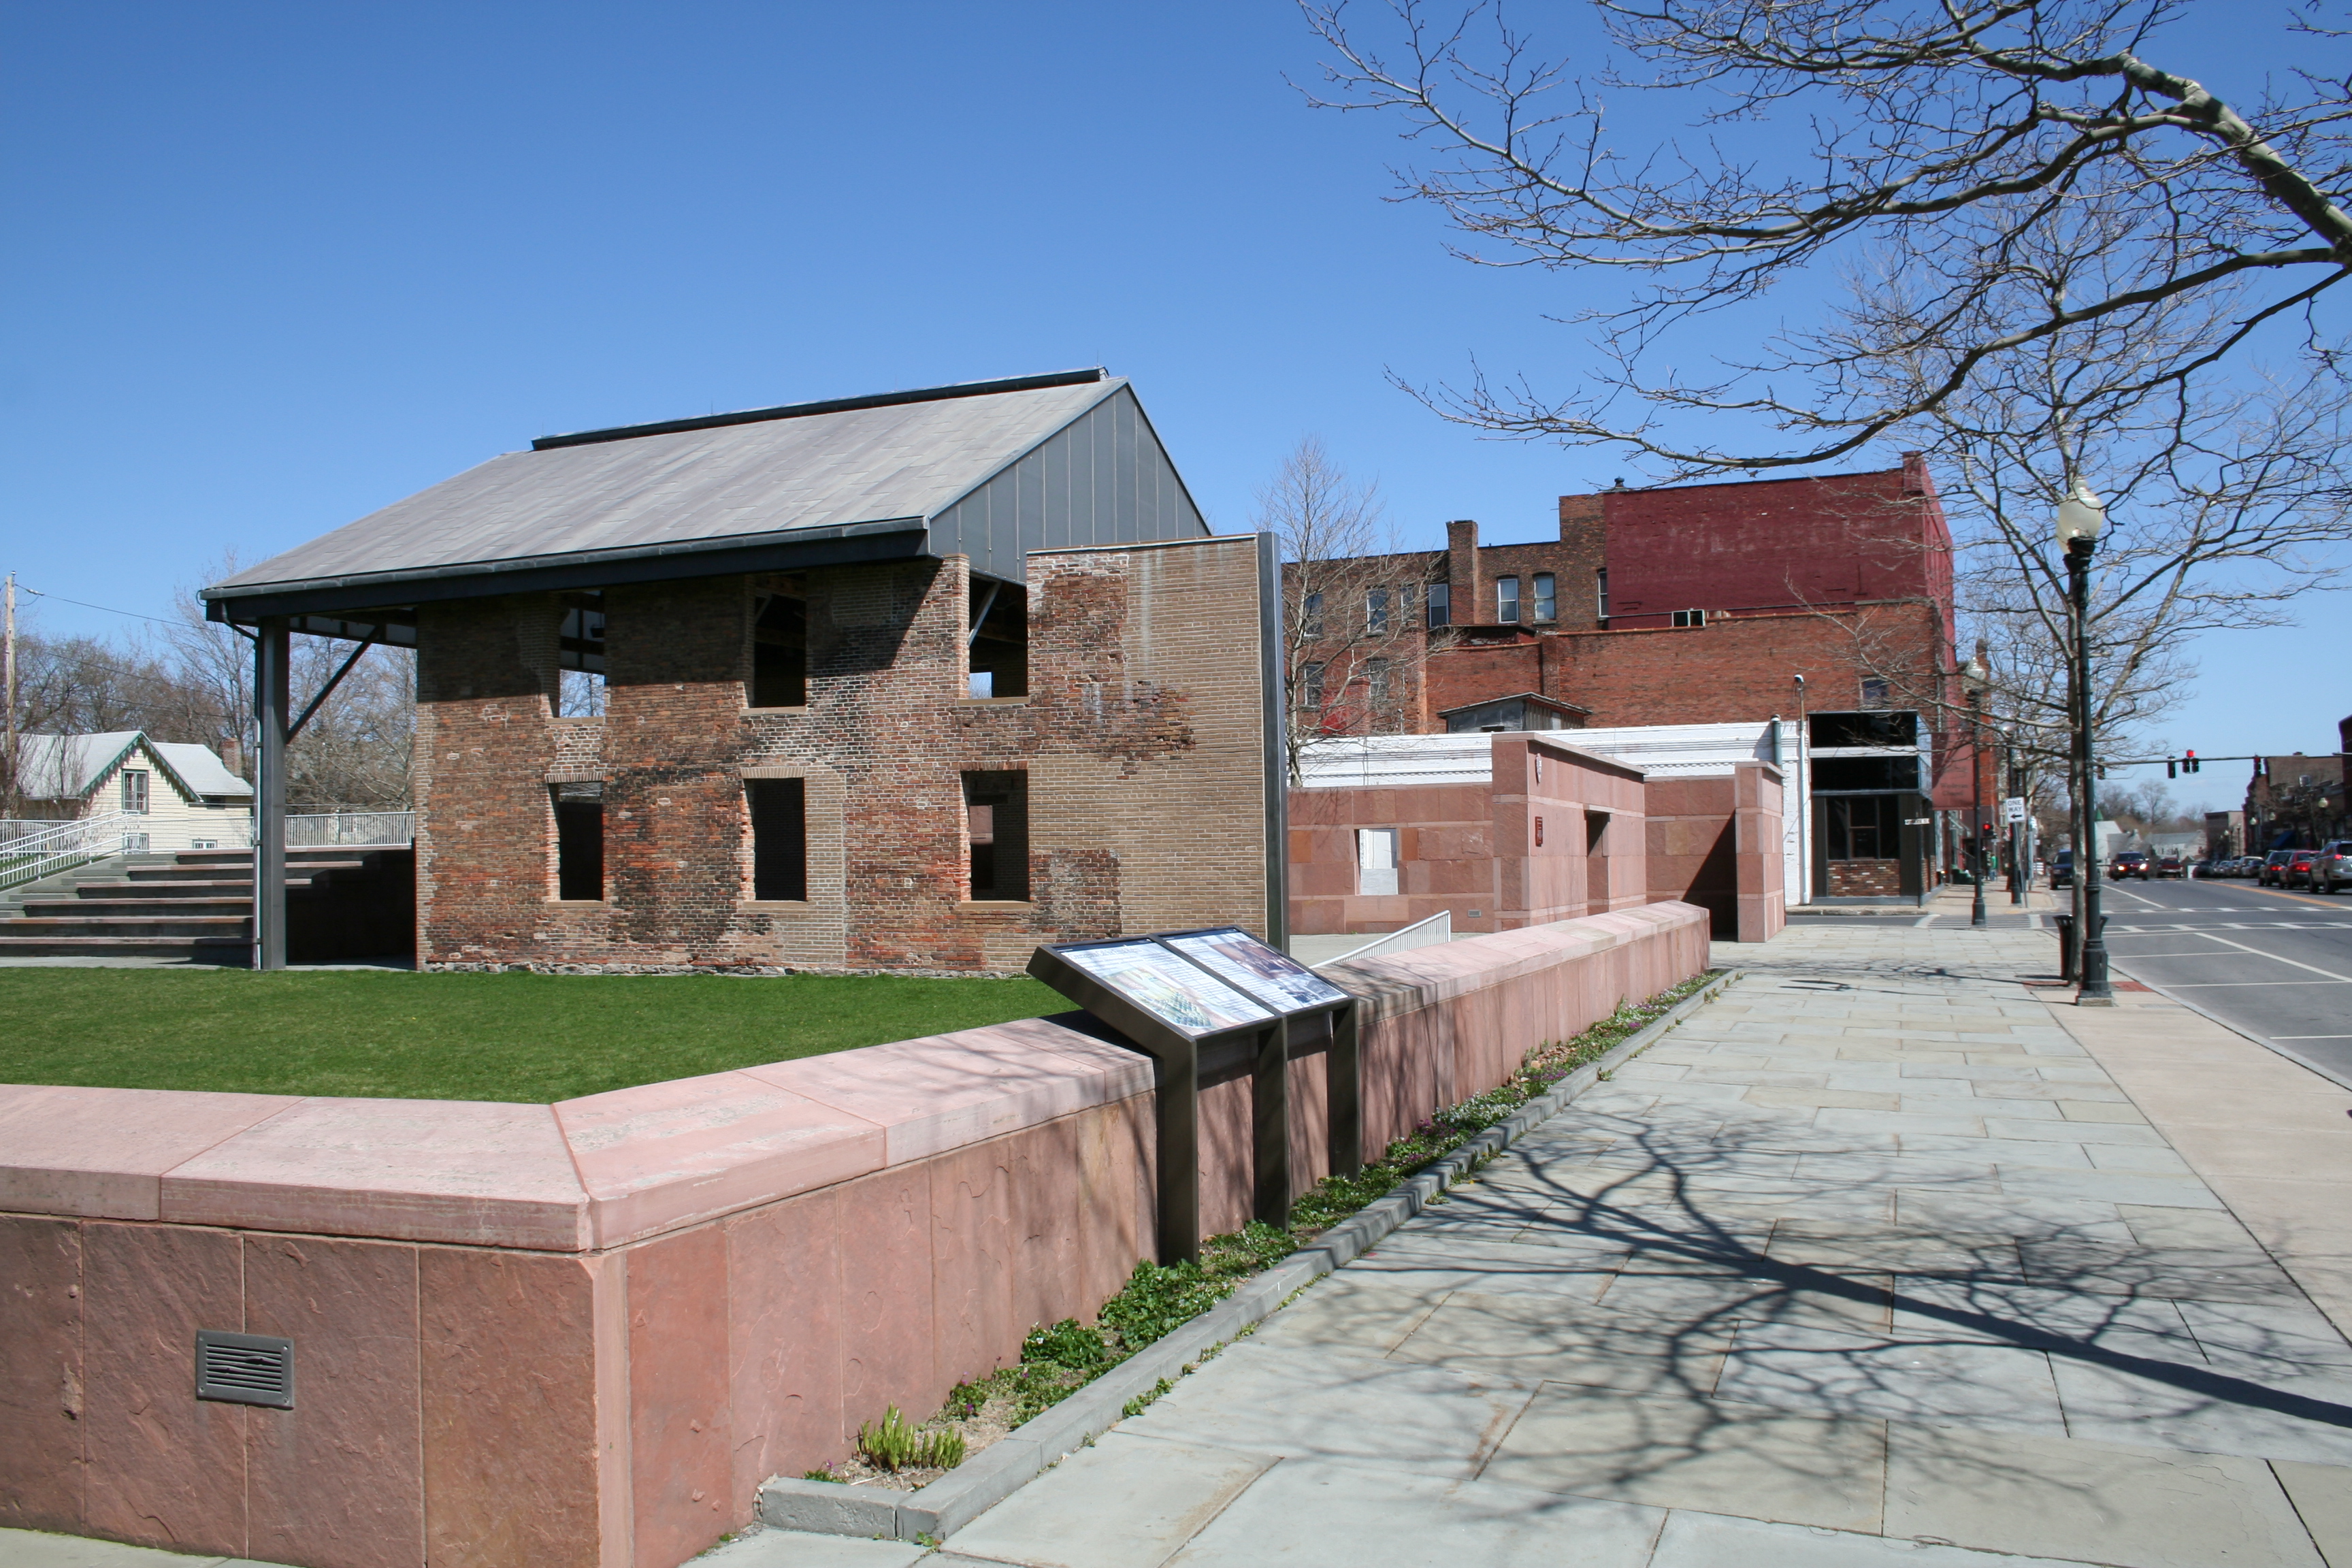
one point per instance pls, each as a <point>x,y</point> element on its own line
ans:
<point>578,842</point>
<point>998,637</point>
<point>778,809</point>
<point>996,823</point>
<point>1596,862</point>
<point>780,650</point>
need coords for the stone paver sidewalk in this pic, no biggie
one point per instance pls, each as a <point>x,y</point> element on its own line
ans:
<point>1872,1262</point>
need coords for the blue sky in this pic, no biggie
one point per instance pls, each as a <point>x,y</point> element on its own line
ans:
<point>272,267</point>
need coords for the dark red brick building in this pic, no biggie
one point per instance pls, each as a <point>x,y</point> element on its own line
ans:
<point>909,682</point>
<point>1702,604</point>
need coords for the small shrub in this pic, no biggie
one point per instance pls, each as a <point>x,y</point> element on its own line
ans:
<point>1142,1402</point>
<point>1068,1344</point>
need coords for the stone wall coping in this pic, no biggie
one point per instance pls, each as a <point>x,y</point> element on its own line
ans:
<point>610,1169</point>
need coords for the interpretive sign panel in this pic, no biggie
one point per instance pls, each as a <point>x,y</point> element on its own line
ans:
<point>1267,973</point>
<point>1176,993</point>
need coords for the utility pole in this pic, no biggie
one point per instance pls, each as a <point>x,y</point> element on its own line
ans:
<point>8,657</point>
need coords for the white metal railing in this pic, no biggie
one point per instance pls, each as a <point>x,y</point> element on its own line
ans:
<point>32,850</point>
<point>1436,928</point>
<point>313,828</point>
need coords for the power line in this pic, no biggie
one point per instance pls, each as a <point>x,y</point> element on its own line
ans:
<point>107,608</point>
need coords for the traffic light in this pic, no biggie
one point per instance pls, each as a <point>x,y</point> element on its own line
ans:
<point>2172,769</point>
<point>2189,762</point>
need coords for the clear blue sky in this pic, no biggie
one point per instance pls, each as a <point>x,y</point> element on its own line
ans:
<point>272,267</point>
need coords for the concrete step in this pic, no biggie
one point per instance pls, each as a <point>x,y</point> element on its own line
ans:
<point>201,949</point>
<point>111,909</point>
<point>132,925</point>
<point>233,889</point>
<point>207,873</point>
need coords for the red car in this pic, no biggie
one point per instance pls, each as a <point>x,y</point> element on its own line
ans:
<point>2296,872</point>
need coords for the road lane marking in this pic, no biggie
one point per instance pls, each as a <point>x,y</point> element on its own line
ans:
<point>2312,1036</point>
<point>2242,984</point>
<point>2297,963</point>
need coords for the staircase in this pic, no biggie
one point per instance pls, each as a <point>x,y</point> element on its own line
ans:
<point>196,906</point>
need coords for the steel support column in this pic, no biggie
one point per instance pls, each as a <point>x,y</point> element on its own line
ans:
<point>271,706</point>
<point>2095,989</point>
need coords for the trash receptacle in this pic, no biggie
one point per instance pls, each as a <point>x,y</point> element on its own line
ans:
<point>2066,944</point>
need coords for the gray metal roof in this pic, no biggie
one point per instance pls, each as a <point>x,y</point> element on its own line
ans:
<point>772,476</point>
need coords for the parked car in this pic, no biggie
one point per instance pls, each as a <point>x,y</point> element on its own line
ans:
<point>2332,867</point>
<point>2273,868</point>
<point>2296,872</point>
<point>2062,868</point>
<point>2170,865</point>
<point>2129,863</point>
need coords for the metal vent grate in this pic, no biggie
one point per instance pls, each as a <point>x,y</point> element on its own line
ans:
<point>245,1368</point>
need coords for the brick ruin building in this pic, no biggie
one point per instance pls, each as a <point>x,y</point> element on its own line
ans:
<point>1700,605</point>
<point>910,682</point>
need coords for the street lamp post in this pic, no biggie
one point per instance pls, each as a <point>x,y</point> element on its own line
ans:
<point>1973,682</point>
<point>2019,868</point>
<point>2080,519</point>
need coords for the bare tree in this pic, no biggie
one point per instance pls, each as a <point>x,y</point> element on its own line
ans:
<point>1352,608</point>
<point>1943,135</point>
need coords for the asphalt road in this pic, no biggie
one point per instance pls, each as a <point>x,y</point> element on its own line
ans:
<point>2276,965</point>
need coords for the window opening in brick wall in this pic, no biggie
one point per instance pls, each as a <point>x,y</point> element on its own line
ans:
<point>579,841</point>
<point>1690,617</point>
<point>1310,685</point>
<point>580,657</point>
<point>1600,591</point>
<point>135,791</point>
<point>778,809</point>
<point>1310,616</point>
<point>1376,610</point>
<point>1873,694</point>
<point>779,651</point>
<point>1376,860</point>
<point>1507,600</point>
<point>997,826</point>
<point>1441,605</point>
<point>998,639</point>
<point>578,694</point>
<point>1863,827</point>
<point>1547,597</point>
<point>1378,687</point>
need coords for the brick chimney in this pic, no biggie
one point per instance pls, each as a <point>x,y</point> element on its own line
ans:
<point>1914,473</point>
<point>232,755</point>
<point>1468,583</point>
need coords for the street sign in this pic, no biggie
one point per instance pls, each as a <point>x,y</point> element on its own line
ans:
<point>1918,821</point>
<point>2013,809</point>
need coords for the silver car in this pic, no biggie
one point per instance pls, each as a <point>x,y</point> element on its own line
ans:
<point>2331,867</point>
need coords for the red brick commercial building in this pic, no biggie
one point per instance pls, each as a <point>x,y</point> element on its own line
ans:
<point>911,682</point>
<point>1700,605</point>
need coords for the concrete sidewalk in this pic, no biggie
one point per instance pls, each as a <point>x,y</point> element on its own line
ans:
<point>1875,1262</point>
<point>1881,1259</point>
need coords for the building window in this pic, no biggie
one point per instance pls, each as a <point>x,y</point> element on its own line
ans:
<point>1547,597</point>
<point>1310,685</point>
<point>1862,827</point>
<point>578,694</point>
<point>1600,591</point>
<point>578,842</point>
<point>998,641</point>
<point>1873,694</point>
<point>1507,600</point>
<point>1377,689</point>
<point>1310,616</point>
<point>1376,860</point>
<point>779,813</point>
<point>135,791</point>
<point>779,652</point>
<point>1690,617</point>
<point>997,826</point>
<point>1441,605</point>
<point>1376,610</point>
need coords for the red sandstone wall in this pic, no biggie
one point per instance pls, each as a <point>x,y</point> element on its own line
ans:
<point>532,1397</point>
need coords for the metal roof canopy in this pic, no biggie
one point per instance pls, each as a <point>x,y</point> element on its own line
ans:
<point>992,469</point>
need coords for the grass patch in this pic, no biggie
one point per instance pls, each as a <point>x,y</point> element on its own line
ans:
<point>1058,1359</point>
<point>528,1037</point>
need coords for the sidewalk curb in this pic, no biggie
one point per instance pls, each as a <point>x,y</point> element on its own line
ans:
<point>980,1483</point>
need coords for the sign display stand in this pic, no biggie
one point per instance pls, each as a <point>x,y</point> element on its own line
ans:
<point>1216,996</point>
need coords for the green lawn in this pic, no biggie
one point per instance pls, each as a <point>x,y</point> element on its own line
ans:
<point>531,1038</point>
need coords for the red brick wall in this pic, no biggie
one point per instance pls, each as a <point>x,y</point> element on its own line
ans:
<point>1141,735</point>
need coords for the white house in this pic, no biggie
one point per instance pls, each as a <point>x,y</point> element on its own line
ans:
<point>171,795</point>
